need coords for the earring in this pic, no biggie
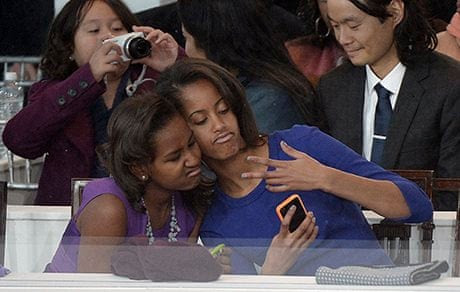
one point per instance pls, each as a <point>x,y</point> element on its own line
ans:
<point>143,177</point>
<point>71,58</point>
<point>321,35</point>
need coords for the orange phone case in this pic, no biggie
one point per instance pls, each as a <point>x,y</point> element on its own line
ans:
<point>286,202</point>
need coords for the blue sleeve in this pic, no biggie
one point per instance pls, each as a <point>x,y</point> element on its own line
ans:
<point>333,153</point>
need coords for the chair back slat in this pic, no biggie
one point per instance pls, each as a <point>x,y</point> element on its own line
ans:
<point>78,185</point>
<point>452,185</point>
<point>394,237</point>
<point>3,206</point>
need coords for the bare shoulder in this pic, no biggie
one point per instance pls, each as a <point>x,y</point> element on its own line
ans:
<point>105,215</point>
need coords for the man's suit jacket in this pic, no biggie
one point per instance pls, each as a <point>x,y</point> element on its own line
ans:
<point>424,131</point>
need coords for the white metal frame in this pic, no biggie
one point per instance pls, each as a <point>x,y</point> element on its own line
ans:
<point>6,62</point>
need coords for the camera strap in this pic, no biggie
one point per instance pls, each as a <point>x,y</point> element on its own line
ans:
<point>131,88</point>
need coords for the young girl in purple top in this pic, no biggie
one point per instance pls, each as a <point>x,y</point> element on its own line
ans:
<point>255,173</point>
<point>154,162</point>
<point>85,79</point>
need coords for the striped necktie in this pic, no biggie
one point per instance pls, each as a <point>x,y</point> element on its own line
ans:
<point>382,121</point>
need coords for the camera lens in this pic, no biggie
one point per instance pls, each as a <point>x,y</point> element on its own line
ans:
<point>138,48</point>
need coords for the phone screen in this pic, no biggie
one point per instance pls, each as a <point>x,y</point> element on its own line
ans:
<point>299,214</point>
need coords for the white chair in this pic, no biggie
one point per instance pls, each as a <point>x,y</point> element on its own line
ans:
<point>78,184</point>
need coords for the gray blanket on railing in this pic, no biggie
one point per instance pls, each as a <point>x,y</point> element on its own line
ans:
<point>397,275</point>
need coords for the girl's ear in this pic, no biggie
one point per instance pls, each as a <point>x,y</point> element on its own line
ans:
<point>139,171</point>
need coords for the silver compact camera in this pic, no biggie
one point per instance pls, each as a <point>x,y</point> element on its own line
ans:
<point>133,45</point>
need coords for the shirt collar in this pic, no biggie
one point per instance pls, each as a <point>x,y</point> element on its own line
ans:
<point>392,81</point>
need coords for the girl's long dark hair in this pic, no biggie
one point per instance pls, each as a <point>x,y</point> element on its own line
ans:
<point>237,35</point>
<point>187,71</point>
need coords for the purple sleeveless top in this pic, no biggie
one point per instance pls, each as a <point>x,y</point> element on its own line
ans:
<point>65,259</point>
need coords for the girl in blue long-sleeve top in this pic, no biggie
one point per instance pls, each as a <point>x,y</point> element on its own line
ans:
<point>255,173</point>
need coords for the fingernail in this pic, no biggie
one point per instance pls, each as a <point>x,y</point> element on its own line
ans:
<point>249,158</point>
<point>244,175</point>
<point>283,143</point>
<point>313,219</point>
<point>292,208</point>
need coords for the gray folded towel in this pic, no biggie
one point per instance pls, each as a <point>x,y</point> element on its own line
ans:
<point>164,261</point>
<point>389,276</point>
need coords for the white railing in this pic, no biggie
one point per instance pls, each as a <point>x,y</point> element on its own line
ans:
<point>16,164</point>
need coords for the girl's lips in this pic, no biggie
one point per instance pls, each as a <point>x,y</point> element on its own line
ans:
<point>194,172</point>
<point>223,138</point>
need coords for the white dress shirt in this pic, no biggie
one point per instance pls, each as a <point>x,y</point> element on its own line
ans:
<point>392,82</point>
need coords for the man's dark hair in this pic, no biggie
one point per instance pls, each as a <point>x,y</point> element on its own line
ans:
<point>413,35</point>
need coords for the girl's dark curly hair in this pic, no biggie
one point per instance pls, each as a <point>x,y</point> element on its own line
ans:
<point>237,35</point>
<point>413,35</point>
<point>56,63</point>
<point>132,130</point>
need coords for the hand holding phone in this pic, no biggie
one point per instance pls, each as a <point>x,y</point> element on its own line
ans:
<point>300,212</point>
<point>292,239</point>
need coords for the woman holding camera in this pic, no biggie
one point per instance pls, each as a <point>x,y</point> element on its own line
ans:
<point>87,78</point>
<point>255,173</point>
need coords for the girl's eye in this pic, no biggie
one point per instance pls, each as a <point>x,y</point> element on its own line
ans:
<point>118,28</point>
<point>174,158</point>
<point>94,30</point>
<point>200,122</point>
<point>224,111</point>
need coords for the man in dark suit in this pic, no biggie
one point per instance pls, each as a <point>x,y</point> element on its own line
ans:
<point>396,101</point>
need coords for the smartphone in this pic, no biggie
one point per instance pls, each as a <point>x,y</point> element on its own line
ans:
<point>300,211</point>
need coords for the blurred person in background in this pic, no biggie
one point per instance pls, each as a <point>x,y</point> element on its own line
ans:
<point>238,35</point>
<point>317,52</point>
<point>449,40</point>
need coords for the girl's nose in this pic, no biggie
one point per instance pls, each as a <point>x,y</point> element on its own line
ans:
<point>106,36</point>
<point>192,159</point>
<point>218,124</point>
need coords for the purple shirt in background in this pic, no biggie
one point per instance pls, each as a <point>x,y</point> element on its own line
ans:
<point>65,259</point>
